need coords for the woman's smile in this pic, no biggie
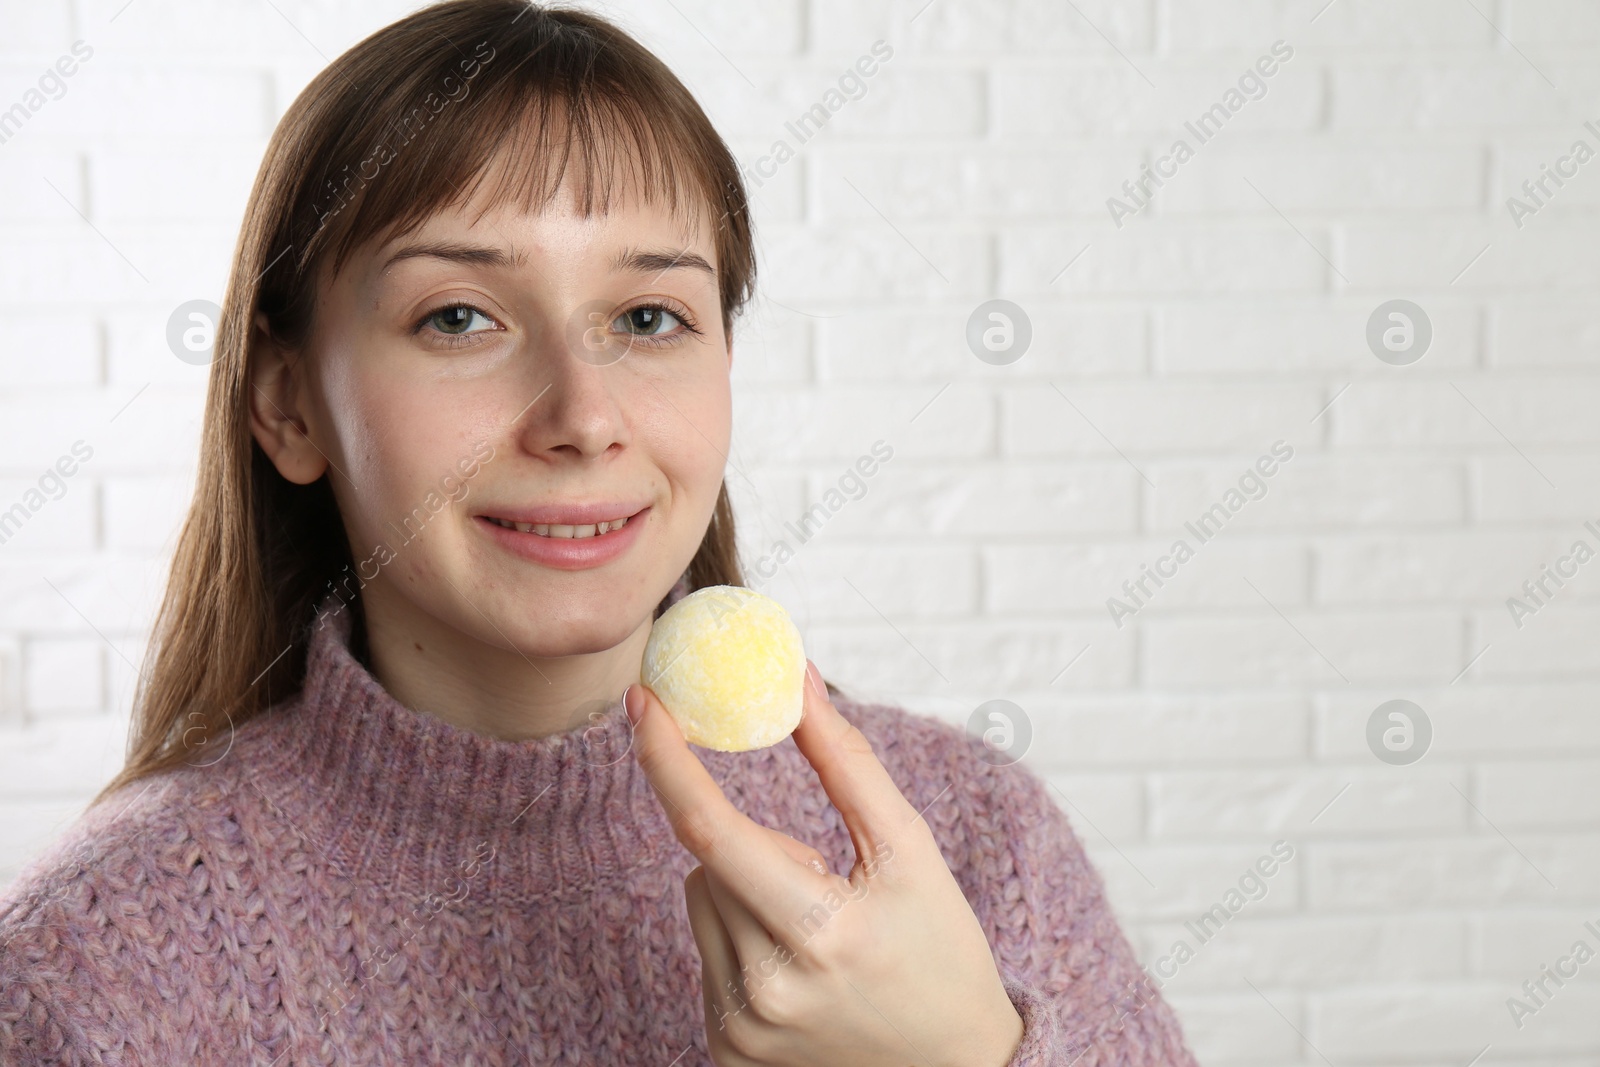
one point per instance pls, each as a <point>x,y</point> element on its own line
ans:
<point>557,529</point>
<point>564,546</point>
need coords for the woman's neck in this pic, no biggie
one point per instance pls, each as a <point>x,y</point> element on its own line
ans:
<point>433,667</point>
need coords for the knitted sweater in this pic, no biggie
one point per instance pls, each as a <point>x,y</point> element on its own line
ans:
<point>356,882</point>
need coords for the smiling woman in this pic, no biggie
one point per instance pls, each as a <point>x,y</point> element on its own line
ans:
<point>383,342</point>
<point>431,815</point>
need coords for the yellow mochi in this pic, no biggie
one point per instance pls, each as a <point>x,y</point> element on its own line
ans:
<point>728,665</point>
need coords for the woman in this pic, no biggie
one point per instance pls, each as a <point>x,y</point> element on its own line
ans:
<point>394,792</point>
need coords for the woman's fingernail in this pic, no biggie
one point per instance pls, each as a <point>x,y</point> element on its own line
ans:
<point>815,677</point>
<point>633,703</point>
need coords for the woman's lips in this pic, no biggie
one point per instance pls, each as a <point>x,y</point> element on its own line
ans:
<point>566,514</point>
<point>566,553</point>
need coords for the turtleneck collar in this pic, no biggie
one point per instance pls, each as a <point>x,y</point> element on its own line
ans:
<point>403,799</point>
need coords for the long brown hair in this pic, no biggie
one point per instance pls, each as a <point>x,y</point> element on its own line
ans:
<point>402,124</point>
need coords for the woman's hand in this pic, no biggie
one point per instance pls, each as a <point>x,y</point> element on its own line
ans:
<point>800,966</point>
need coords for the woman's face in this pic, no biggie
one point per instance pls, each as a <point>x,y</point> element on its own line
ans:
<point>476,377</point>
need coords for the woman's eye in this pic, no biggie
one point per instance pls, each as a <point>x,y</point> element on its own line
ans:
<point>647,320</point>
<point>456,320</point>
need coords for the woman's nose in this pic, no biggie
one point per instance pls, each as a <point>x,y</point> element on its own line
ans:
<point>579,380</point>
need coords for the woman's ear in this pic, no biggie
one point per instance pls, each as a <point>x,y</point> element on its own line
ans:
<point>276,405</point>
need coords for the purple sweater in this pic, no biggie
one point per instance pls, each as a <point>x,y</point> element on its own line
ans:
<point>355,882</point>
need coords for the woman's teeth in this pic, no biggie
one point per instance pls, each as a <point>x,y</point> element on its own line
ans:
<point>552,530</point>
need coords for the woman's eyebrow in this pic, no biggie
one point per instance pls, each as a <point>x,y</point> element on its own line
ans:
<point>659,261</point>
<point>476,255</point>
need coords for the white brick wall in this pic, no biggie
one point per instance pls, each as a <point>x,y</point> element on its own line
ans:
<point>1228,713</point>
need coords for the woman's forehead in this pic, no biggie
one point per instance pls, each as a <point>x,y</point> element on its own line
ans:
<point>625,215</point>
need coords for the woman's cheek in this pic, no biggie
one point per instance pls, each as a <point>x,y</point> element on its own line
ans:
<point>687,414</point>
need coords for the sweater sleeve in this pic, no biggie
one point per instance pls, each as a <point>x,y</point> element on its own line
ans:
<point>34,1030</point>
<point>31,1035</point>
<point>1066,964</point>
